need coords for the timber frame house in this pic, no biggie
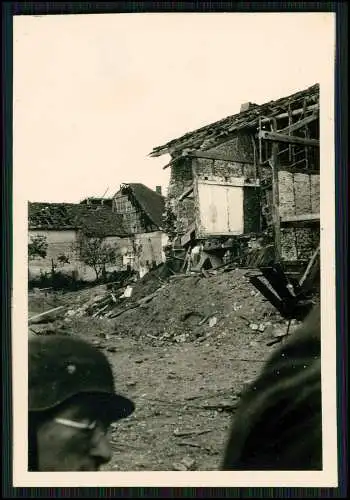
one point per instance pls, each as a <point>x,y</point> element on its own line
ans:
<point>264,161</point>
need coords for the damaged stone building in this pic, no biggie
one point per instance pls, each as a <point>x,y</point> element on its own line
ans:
<point>130,220</point>
<point>251,178</point>
<point>141,210</point>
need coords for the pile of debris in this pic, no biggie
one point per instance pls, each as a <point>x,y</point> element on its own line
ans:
<point>123,295</point>
<point>164,307</point>
<point>192,307</point>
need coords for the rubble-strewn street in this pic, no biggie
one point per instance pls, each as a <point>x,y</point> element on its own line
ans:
<point>184,355</point>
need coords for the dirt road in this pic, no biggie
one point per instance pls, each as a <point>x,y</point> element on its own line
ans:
<point>184,378</point>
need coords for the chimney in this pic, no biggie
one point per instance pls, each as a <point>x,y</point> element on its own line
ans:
<point>159,189</point>
<point>246,105</point>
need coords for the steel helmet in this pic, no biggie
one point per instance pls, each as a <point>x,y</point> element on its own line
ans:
<point>61,367</point>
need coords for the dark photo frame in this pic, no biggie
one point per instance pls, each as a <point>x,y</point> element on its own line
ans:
<point>10,9</point>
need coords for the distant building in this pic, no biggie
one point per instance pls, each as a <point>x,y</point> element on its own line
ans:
<point>62,223</point>
<point>141,210</point>
<point>131,219</point>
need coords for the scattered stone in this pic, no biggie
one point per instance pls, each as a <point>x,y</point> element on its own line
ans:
<point>139,361</point>
<point>254,326</point>
<point>279,332</point>
<point>180,338</point>
<point>212,321</point>
<point>179,467</point>
<point>132,383</point>
<point>189,463</point>
<point>127,293</point>
<point>112,349</point>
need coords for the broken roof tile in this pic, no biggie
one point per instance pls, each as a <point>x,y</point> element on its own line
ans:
<point>207,136</point>
<point>63,216</point>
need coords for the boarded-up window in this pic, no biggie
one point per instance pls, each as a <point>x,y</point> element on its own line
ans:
<point>220,208</point>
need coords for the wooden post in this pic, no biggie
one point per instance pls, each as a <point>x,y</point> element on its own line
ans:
<point>275,199</point>
<point>197,218</point>
<point>290,121</point>
<point>260,144</point>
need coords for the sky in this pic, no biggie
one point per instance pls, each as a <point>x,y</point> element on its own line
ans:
<point>94,94</point>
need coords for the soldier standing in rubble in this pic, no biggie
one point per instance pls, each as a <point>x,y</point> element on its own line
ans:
<point>72,403</point>
<point>278,425</point>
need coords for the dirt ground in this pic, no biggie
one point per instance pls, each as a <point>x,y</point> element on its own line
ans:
<point>184,358</point>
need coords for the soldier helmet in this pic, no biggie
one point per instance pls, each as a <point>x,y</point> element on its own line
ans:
<point>61,367</point>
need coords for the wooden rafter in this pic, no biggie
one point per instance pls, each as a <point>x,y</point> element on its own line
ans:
<point>277,137</point>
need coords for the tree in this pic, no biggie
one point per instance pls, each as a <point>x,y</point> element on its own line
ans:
<point>37,247</point>
<point>96,253</point>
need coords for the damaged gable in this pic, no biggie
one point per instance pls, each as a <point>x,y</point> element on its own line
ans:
<point>141,208</point>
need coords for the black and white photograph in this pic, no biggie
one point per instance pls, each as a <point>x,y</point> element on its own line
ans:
<point>173,208</point>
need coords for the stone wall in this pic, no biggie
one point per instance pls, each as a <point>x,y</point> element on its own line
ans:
<point>182,177</point>
<point>299,193</point>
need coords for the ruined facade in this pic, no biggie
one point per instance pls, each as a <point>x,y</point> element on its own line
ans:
<point>259,169</point>
<point>141,210</point>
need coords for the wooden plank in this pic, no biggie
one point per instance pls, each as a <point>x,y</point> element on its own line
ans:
<point>310,266</point>
<point>186,193</point>
<point>297,125</point>
<point>301,218</point>
<point>239,182</point>
<point>295,112</point>
<point>290,139</point>
<point>298,169</point>
<point>186,238</point>
<point>45,315</point>
<point>216,156</point>
<point>275,202</point>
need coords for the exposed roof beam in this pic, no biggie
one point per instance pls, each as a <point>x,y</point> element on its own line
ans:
<point>301,123</point>
<point>295,112</point>
<point>161,150</point>
<point>216,156</point>
<point>290,139</point>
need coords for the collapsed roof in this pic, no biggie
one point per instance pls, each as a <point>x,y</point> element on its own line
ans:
<point>208,136</point>
<point>99,221</point>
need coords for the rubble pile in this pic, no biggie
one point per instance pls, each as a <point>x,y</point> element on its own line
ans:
<point>194,307</point>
